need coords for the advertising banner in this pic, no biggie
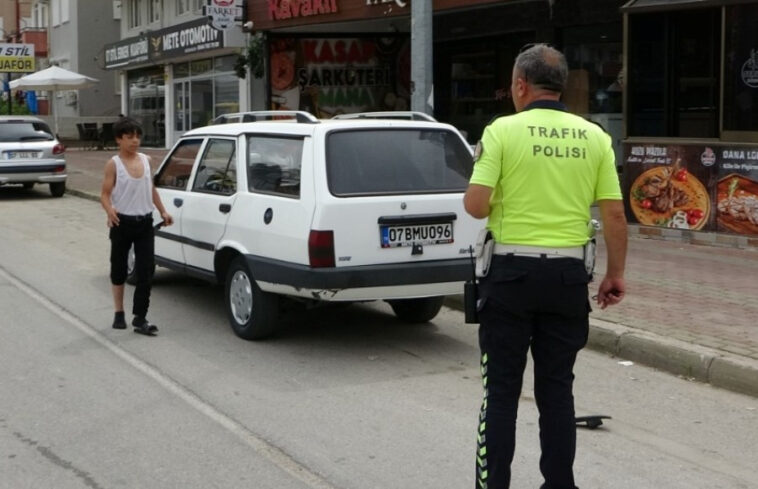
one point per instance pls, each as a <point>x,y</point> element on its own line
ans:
<point>693,186</point>
<point>670,185</point>
<point>737,190</point>
<point>330,76</point>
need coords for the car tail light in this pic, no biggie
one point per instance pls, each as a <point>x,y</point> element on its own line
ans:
<point>59,149</point>
<point>321,249</point>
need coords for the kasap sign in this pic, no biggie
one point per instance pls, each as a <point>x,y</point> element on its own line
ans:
<point>223,13</point>
<point>16,58</point>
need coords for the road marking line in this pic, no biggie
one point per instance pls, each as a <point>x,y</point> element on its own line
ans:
<point>274,454</point>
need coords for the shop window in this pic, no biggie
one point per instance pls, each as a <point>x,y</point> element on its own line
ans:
<point>201,66</point>
<point>226,88</point>
<point>181,70</point>
<point>741,69</point>
<point>674,61</point>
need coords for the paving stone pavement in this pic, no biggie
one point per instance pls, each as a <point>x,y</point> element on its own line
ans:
<point>690,309</point>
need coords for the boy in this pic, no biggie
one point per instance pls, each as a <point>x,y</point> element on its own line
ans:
<point>129,197</point>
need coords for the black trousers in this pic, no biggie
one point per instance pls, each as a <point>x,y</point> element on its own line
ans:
<point>139,233</point>
<point>542,304</point>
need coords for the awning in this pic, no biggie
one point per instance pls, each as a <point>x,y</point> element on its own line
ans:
<point>642,6</point>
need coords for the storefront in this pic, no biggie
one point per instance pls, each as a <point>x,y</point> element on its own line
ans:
<point>691,152</point>
<point>178,78</point>
<point>475,44</point>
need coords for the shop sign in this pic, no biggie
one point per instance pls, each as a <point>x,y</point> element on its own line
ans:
<point>128,51</point>
<point>16,58</point>
<point>222,13</point>
<point>328,76</point>
<point>187,38</point>
<point>750,70</point>
<point>292,9</point>
<point>399,3</point>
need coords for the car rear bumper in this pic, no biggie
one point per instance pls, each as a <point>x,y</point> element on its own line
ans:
<point>42,173</point>
<point>388,281</point>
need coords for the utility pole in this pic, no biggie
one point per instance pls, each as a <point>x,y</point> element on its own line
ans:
<point>422,78</point>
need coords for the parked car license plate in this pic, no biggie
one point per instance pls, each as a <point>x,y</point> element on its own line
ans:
<point>395,236</point>
<point>21,155</point>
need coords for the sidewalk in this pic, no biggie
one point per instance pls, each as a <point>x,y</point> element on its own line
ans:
<point>690,309</point>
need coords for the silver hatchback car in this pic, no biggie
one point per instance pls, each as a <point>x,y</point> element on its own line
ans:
<point>30,153</point>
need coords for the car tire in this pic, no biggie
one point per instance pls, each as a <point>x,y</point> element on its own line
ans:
<point>57,189</point>
<point>28,185</point>
<point>253,314</point>
<point>131,274</point>
<point>417,310</point>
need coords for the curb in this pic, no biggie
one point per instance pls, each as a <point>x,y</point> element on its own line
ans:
<point>691,361</point>
<point>83,195</point>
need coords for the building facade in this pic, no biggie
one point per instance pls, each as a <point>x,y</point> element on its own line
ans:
<point>77,29</point>
<point>176,70</point>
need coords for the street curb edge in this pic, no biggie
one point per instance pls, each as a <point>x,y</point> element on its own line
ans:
<point>718,368</point>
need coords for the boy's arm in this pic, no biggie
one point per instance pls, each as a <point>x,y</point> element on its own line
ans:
<point>109,182</point>
<point>167,218</point>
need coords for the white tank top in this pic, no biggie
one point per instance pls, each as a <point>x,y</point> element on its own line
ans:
<point>132,196</point>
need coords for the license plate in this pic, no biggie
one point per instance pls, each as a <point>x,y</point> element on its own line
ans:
<point>407,235</point>
<point>21,155</point>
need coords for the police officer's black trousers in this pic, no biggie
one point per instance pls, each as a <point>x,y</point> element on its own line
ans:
<point>542,304</point>
<point>142,235</point>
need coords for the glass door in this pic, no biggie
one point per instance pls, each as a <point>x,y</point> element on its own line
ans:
<point>181,108</point>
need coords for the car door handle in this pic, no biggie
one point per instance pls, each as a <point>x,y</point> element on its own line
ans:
<point>178,202</point>
<point>225,208</point>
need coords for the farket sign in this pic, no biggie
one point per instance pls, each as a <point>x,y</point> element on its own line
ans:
<point>223,13</point>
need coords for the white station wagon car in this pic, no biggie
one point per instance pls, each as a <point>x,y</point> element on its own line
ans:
<point>319,210</point>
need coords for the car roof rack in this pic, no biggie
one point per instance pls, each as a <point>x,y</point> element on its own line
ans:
<point>396,114</point>
<point>298,115</point>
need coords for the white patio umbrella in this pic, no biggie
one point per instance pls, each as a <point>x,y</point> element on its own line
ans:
<point>52,79</point>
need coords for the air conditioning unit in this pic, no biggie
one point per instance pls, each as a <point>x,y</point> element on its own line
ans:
<point>116,9</point>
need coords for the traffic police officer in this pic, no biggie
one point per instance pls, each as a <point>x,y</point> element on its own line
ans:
<point>536,174</point>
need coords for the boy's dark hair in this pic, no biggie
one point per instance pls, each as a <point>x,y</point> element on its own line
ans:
<point>126,125</point>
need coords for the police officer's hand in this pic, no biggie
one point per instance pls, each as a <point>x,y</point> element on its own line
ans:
<point>610,292</point>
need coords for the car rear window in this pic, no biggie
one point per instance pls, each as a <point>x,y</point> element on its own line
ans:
<point>13,131</point>
<point>396,161</point>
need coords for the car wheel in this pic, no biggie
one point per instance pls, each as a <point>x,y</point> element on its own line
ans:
<point>28,185</point>
<point>417,310</point>
<point>131,274</point>
<point>252,313</point>
<point>57,189</point>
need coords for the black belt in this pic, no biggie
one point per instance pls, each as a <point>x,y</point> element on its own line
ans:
<point>126,217</point>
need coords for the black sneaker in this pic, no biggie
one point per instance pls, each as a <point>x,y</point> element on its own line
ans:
<point>118,320</point>
<point>142,326</point>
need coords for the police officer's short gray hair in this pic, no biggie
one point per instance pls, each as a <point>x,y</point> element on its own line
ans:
<point>543,66</point>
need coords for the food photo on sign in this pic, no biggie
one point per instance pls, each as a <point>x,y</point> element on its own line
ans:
<point>670,186</point>
<point>737,191</point>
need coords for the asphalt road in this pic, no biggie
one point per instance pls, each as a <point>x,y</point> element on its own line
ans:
<point>344,397</point>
